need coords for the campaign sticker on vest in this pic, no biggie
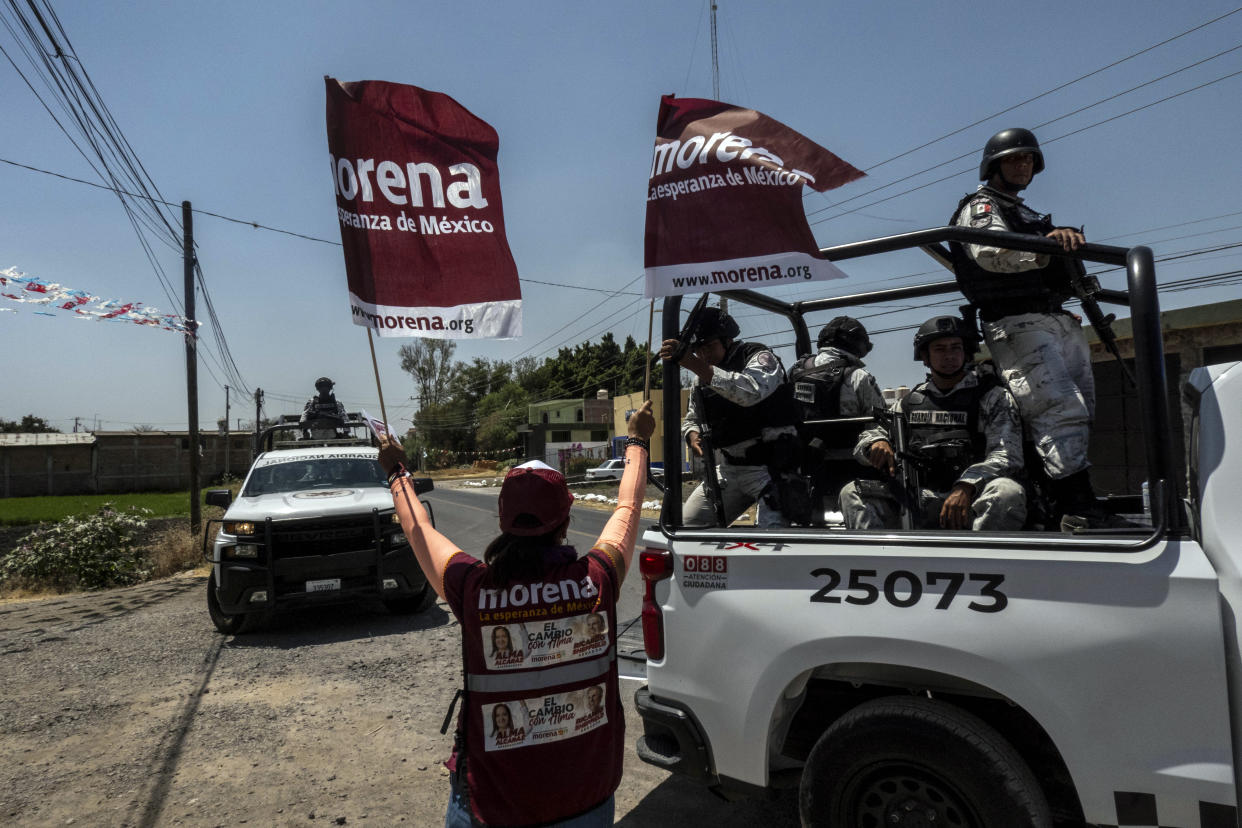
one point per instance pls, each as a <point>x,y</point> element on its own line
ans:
<point>549,718</point>
<point>520,645</point>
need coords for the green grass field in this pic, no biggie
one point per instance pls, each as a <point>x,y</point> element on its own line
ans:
<point>19,511</point>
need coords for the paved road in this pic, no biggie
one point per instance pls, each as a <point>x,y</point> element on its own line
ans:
<point>125,708</point>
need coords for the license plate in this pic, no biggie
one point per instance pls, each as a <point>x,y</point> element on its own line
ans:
<point>326,585</point>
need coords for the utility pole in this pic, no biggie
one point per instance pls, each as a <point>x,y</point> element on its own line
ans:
<point>226,431</point>
<point>76,420</point>
<point>258,415</point>
<point>724,303</point>
<point>191,362</point>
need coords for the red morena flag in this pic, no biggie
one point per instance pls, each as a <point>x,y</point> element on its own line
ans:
<point>418,200</point>
<point>724,200</point>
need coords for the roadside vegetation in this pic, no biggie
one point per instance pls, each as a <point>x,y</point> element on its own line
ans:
<point>71,543</point>
<point>24,511</point>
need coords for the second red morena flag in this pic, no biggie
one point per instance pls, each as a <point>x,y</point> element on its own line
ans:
<point>724,200</point>
<point>418,201</point>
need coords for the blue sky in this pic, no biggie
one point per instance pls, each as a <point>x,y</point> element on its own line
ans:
<point>223,103</point>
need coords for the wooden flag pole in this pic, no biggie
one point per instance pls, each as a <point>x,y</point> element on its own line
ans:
<point>380,390</point>
<point>647,372</point>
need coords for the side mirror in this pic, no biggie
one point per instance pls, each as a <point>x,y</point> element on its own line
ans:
<point>422,485</point>
<point>219,497</point>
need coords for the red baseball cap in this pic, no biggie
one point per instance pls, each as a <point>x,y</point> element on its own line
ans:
<point>534,499</point>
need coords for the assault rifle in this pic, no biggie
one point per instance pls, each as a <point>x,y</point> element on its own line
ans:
<point>906,488</point>
<point>711,481</point>
<point>1086,286</point>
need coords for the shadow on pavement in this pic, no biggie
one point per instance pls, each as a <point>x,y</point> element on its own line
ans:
<point>310,626</point>
<point>678,801</point>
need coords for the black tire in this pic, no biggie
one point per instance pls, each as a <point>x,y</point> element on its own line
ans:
<point>411,604</point>
<point>231,623</point>
<point>902,761</point>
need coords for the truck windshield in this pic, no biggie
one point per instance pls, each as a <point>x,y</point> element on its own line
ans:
<point>324,473</point>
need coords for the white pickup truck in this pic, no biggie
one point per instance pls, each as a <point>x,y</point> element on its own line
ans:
<point>313,524</point>
<point>927,678</point>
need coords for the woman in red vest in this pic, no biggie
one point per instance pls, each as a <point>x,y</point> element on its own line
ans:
<point>540,739</point>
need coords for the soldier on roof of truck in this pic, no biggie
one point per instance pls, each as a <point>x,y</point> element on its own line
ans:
<point>963,431</point>
<point>1038,345</point>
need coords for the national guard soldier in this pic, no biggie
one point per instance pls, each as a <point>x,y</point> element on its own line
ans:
<point>833,382</point>
<point>741,399</point>
<point>963,434</point>
<point>1038,345</point>
<point>323,411</point>
<point>833,385</point>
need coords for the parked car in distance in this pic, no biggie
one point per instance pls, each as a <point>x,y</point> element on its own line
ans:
<point>608,470</point>
<point>613,469</point>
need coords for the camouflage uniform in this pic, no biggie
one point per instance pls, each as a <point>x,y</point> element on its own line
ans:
<point>860,394</point>
<point>740,485</point>
<point>1044,357</point>
<point>1000,501</point>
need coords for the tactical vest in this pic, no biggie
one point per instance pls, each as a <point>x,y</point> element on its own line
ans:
<point>731,423</point>
<point>817,388</point>
<point>541,733</point>
<point>1039,290</point>
<point>944,431</point>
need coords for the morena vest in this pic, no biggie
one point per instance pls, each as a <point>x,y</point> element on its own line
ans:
<point>541,731</point>
<point>731,423</point>
<point>1039,290</point>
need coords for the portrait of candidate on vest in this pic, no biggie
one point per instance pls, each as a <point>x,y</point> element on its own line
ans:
<point>963,445</point>
<point>540,700</point>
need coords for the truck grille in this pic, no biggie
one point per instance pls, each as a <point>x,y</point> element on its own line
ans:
<point>324,536</point>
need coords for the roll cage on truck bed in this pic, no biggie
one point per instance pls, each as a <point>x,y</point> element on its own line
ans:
<point>929,678</point>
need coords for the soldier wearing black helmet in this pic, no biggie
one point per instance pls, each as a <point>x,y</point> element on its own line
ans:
<point>829,385</point>
<point>323,411</point>
<point>833,382</point>
<point>1039,347</point>
<point>963,432</point>
<point>749,412</point>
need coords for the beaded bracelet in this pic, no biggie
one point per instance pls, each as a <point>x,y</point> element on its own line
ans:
<point>638,441</point>
<point>399,471</point>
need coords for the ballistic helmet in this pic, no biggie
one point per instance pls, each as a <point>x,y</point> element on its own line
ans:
<point>943,327</point>
<point>846,333</point>
<point>713,324</point>
<point>322,381</point>
<point>1008,142</point>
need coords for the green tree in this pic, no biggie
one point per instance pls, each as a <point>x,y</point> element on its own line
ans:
<point>28,424</point>
<point>430,363</point>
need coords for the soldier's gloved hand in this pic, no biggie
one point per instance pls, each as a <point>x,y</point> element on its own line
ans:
<point>955,513</point>
<point>392,456</point>
<point>883,457</point>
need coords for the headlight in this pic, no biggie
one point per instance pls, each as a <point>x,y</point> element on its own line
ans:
<point>239,527</point>
<point>399,539</point>
<point>241,550</point>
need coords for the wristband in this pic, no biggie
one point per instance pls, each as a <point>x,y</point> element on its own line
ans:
<point>638,441</point>
<point>399,471</point>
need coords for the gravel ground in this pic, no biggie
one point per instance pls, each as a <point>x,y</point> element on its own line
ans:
<point>126,708</point>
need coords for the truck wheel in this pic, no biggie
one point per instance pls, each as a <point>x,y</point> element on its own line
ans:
<point>411,604</point>
<point>901,762</point>
<point>230,623</point>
